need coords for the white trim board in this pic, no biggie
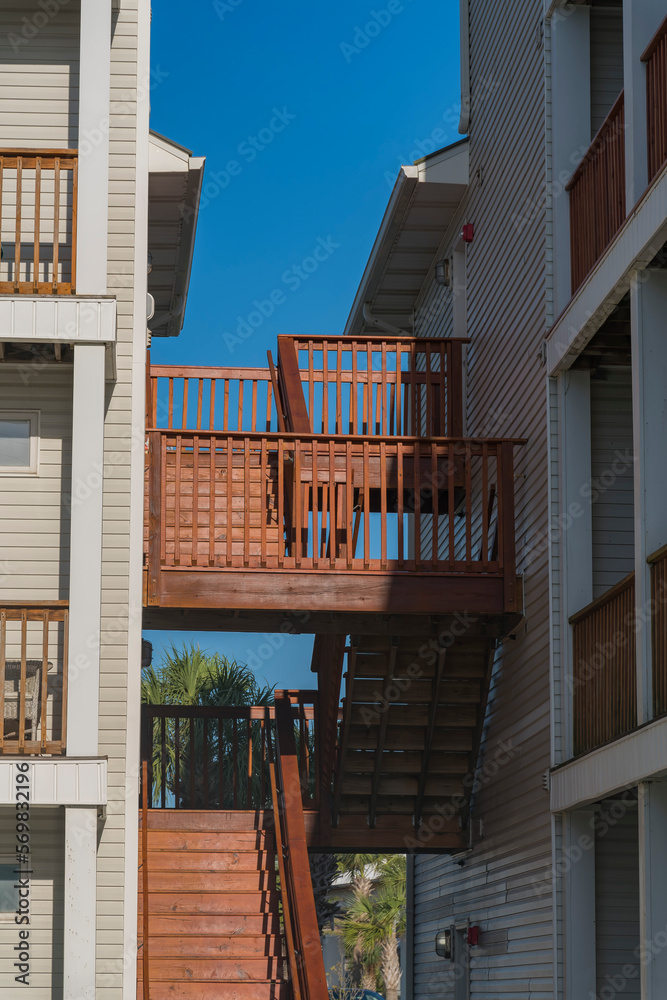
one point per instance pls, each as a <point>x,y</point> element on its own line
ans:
<point>639,756</point>
<point>641,236</point>
<point>32,319</point>
<point>57,781</point>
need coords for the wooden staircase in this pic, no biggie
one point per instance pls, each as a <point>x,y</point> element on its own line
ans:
<point>214,925</point>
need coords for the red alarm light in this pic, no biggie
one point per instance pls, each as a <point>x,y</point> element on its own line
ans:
<point>468,232</point>
<point>473,936</point>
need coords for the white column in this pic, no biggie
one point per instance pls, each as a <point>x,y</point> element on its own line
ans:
<point>80,903</point>
<point>571,128</point>
<point>648,302</point>
<point>579,863</point>
<point>653,888</point>
<point>641,20</point>
<point>576,524</point>
<point>85,592</point>
<point>93,189</point>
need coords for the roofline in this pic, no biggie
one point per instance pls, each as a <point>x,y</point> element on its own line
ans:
<point>170,142</point>
<point>439,152</point>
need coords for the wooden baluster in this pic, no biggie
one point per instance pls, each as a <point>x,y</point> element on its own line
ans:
<point>75,188</point>
<point>435,539</point>
<point>383,505</point>
<point>45,679</point>
<point>339,389</point>
<point>416,482</point>
<point>17,234</point>
<point>400,512</point>
<point>211,406</point>
<point>508,527</point>
<point>2,180</point>
<point>282,527</point>
<point>333,540</point>
<point>56,224</point>
<point>367,504</point>
<point>170,410</point>
<point>445,355</point>
<point>383,385</point>
<point>23,679</point>
<point>264,508</point>
<point>200,399</point>
<point>177,502</point>
<point>451,486</point>
<point>229,534</point>
<point>184,417</point>
<point>311,386</point>
<point>297,494</point>
<point>212,450</point>
<point>239,424</point>
<point>314,452</point>
<point>399,387</point>
<point>246,502</point>
<point>269,404</point>
<point>36,243</point>
<point>468,461</point>
<point>225,405</point>
<point>349,504</point>
<point>195,501</point>
<point>429,422</point>
<point>253,417</point>
<point>354,389</point>
<point>3,661</point>
<point>369,388</point>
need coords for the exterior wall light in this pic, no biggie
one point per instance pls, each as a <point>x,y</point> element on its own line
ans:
<point>443,272</point>
<point>444,944</point>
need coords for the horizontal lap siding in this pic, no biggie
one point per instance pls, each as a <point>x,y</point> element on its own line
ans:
<point>606,63</point>
<point>34,516</point>
<point>504,884</point>
<point>46,907</point>
<point>617,904</point>
<point>39,75</point>
<point>612,478</point>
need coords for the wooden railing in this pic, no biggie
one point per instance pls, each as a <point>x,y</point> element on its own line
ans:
<point>217,757</point>
<point>597,195</point>
<point>38,192</point>
<point>33,677</point>
<point>366,387</point>
<point>377,385</point>
<point>304,950</point>
<point>604,676</point>
<point>658,562</point>
<point>331,503</point>
<point>655,58</point>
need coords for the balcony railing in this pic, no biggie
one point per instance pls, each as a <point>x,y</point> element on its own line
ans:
<point>38,192</point>
<point>258,501</point>
<point>33,677</point>
<point>655,58</point>
<point>370,386</point>
<point>597,195</point>
<point>658,563</point>
<point>604,675</point>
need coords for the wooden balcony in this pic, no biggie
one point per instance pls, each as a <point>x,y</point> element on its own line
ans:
<point>655,58</point>
<point>305,487</point>
<point>597,195</point>
<point>38,192</point>
<point>33,677</point>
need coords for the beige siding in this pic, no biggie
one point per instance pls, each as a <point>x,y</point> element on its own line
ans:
<point>46,907</point>
<point>39,74</point>
<point>34,516</point>
<point>506,309</point>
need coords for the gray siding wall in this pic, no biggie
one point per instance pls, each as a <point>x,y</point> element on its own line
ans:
<point>612,478</point>
<point>606,63</point>
<point>46,907</point>
<point>34,518</point>
<point>506,307</point>
<point>617,901</point>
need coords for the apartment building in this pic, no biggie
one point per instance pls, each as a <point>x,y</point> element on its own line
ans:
<point>97,224</point>
<point>540,237</point>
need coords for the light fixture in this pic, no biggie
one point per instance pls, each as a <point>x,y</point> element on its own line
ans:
<point>443,944</point>
<point>443,272</point>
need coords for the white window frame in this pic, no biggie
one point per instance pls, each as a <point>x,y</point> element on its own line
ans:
<point>32,469</point>
<point>7,916</point>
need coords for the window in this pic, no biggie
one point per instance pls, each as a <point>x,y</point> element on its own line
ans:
<point>9,899</point>
<point>18,442</point>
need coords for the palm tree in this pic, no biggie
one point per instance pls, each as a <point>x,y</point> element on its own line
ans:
<point>192,676</point>
<point>375,921</point>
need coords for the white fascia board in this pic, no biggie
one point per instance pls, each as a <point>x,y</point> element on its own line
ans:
<point>37,319</point>
<point>446,166</point>
<point>642,235</point>
<point>639,756</point>
<point>401,195</point>
<point>56,781</point>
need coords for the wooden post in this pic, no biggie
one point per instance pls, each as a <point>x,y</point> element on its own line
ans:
<point>296,413</point>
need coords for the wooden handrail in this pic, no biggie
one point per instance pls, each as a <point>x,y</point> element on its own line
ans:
<point>336,438</point>
<point>34,190</point>
<point>34,659</point>
<point>599,602</point>
<point>597,195</point>
<point>308,974</point>
<point>655,58</point>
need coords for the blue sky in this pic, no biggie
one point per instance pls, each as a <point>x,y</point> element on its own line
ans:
<point>305,113</point>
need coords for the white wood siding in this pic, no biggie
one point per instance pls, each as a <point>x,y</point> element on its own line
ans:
<point>504,884</point>
<point>617,900</point>
<point>34,515</point>
<point>46,908</point>
<point>612,478</point>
